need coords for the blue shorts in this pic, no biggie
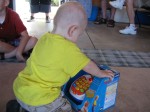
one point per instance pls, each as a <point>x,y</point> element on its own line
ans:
<point>14,42</point>
<point>40,8</point>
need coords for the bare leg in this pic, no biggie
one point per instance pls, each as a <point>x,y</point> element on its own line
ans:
<point>4,47</point>
<point>47,18</point>
<point>32,14</point>
<point>130,11</point>
<point>113,10</point>
<point>31,43</point>
<point>111,22</point>
<point>104,8</point>
<point>47,14</point>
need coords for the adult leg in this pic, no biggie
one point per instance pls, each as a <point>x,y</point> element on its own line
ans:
<point>47,18</point>
<point>104,8</point>
<point>130,10</point>
<point>111,22</point>
<point>34,7</point>
<point>102,20</point>
<point>131,29</point>
<point>31,18</point>
<point>32,15</point>
<point>113,11</point>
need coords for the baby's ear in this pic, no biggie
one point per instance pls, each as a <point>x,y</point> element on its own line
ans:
<point>72,29</point>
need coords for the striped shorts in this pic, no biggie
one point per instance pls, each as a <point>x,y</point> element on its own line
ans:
<point>59,105</point>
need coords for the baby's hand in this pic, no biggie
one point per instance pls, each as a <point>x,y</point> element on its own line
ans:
<point>19,57</point>
<point>107,73</point>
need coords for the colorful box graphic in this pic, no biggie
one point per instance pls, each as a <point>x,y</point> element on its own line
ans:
<point>100,95</point>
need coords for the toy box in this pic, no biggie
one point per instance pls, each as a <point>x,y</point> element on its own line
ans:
<point>100,95</point>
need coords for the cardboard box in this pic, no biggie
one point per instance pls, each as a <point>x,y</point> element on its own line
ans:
<point>100,96</point>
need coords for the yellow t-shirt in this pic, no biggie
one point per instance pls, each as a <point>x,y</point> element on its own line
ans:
<point>53,61</point>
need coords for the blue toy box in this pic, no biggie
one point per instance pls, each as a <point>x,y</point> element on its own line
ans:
<point>100,96</point>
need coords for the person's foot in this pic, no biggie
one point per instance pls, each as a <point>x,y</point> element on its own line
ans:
<point>118,4</point>
<point>110,23</point>
<point>100,21</point>
<point>48,19</point>
<point>97,20</point>
<point>128,30</point>
<point>31,19</point>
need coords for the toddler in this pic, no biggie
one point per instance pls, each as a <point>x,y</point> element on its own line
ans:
<point>54,60</point>
<point>131,29</point>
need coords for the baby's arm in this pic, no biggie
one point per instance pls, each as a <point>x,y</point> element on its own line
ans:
<point>94,70</point>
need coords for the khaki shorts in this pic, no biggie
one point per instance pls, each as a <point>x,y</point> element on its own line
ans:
<point>59,105</point>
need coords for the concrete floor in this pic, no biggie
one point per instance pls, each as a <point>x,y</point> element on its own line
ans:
<point>100,36</point>
<point>133,90</point>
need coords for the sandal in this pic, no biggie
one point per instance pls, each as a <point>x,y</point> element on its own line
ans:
<point>2,56</point>
<point>100,21</point>
<point>97,20</point>
<point>110,23</point>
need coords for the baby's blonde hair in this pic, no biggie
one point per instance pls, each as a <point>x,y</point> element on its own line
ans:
<point>70,13</point>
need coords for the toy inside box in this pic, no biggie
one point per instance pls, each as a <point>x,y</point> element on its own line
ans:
<point>91,94</point>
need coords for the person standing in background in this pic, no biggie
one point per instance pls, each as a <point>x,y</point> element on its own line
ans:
<point>102,19</point>
<point>131,29</point>
<point>40,6</point>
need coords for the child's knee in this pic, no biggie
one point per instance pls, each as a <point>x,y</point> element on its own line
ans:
<point>33,41</point>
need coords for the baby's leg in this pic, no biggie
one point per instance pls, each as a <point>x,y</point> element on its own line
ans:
<point>59,105</point>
